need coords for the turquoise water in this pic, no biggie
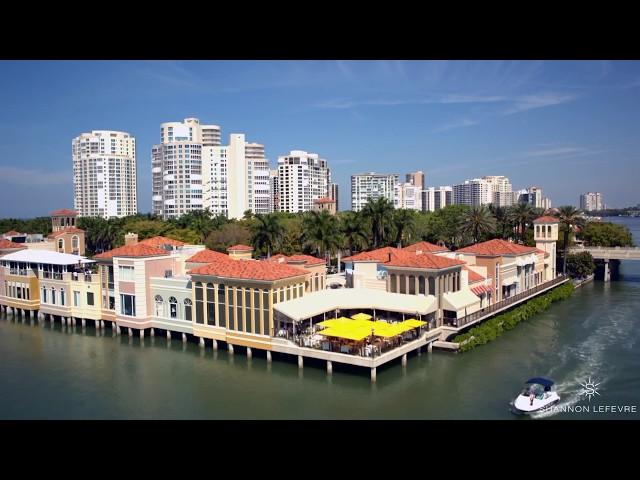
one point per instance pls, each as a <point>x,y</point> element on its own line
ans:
<point>64,373</point>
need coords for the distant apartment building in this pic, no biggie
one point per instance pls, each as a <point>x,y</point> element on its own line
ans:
<point>303,178</point>
<point>325,203</point>
<point>274,190</point>
<point>104,174</point>
<point>334,195</point>
<point>236,178</point>
<point>417,179</point>
<point>534,197</point>
<point>408,196</point>
<point>372,185</point>
<point>176,166</point>
<point>591,201</point>
<point>436,198</point>
<point>502,192</point>
<point>483,191</point>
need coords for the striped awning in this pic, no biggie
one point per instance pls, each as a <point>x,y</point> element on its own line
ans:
<point>481,289</point>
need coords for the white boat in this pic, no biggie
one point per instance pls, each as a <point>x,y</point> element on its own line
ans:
<point>535,396</point>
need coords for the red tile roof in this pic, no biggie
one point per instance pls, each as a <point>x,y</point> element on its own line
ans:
<point>425,260</point>
<point>64,211</point>
<point>298,258</point>
<point>12,233</point>
<point>497,247</point>
<point>160,241</point>
<point>380,255</point>
<point>137,250</point>
<point>65,230</point>
<point>209,256</point>
<point>5,244</point>
<point>425,247</point>
<point>474,276</point>
<point>546,219</point>
<point>325,200</point>
<point>249,269</point>
<point>240,247</point>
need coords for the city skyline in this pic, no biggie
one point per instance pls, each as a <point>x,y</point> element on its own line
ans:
<point>451,120</point>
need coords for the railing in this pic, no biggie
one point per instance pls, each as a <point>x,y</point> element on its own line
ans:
<point>472,317</point>
<point>52,275</point>
<point>76,277</point>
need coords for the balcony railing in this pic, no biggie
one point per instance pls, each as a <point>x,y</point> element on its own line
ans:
<point>472,317</point>
<point>52,275</point>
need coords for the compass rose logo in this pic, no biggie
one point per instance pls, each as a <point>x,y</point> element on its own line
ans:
<point>590,388</point>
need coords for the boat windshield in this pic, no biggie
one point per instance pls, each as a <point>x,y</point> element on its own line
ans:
<point>533,389</point>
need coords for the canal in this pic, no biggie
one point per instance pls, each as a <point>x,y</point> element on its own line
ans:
<point>62,373</point>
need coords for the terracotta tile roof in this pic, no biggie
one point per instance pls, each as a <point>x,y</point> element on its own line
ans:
<point>380,255</point>
<point>12,233</point>
<point>249,269</point>
<point>63,211</point>
<point>497,247</point>
<point>137,250</point>
<point>240,247</point>
<point>4,244</point>
<point>298,258</point>
<point>546,219</point>
<point>425,247</point>
<point>209,256</point>
<point>65,230</point>
<point>425,260</point>
<point>474,276</point>
<point>325,200</point>
<point>160,241</point>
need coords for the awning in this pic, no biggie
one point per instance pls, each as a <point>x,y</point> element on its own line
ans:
<point>361,316</point>
<point>412,322</point>
<point>349,334</point>
<point>463,301</point>
<point>481,290</point>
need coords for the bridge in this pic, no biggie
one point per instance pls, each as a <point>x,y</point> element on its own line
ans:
<point>609,253</point>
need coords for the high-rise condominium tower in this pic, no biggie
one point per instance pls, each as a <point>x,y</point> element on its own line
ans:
<point>334,195</point>
<point>236,178</point>
<point>591,201</point>
<point>302,178</point>
<point>417,179</point>
<point>408,196</point>
<point>176,165</point>
<point>372,185</point>
<point>436,198</point>
<point>485,190</point>
<point>104,174</point>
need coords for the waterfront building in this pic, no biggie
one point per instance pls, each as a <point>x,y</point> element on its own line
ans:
<point>176,166</point>
<point>545,234</point>
<point>317,268</point>
<point>591,201</point>
<point>365,186</point>
<point>104,174</point>
<point>325,203</point>
<point>302,178</point>
<point>407,196</point>
<point>334,195</point>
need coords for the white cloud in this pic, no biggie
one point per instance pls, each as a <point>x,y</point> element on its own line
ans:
<point>538,100</point>
<point>555,151</point>
<point>457,124</point>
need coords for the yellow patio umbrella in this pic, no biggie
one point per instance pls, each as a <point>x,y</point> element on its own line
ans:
<point>361,316</point>
<point>412,322</point>
<point>335,322</point>
<point>356,334</point>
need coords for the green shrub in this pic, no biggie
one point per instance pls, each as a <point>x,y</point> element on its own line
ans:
<point>494,327</point>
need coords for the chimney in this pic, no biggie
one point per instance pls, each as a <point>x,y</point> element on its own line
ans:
<point>389,257</point>
<point>130,239</point>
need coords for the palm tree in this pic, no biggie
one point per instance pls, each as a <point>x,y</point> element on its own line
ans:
<point>403,220</point>
<point>321,232</point>
<point>379,212</point>
<point>477,222</point>
<point>267,232</point>
<point>354,231</point>
<point>569,218</point>
<point>522,215</point>
<point>504,225</point>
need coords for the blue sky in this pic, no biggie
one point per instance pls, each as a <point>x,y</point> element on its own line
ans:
<point>568,127</point>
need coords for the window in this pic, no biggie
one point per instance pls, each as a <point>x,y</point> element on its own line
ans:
<point>61,296</point>
<point>211,313</point>
<point>173,307</point>
<point>90,298</point>
<point>159,302</point>
<point>53,296</point>
<point>187,309</point>
<point>44,294</point>
<point>127,305</point>
<point>199,305</point>
<point>75,242</point>
<point>76,299</point>
<point>60,244</point>
<point>126,273</point>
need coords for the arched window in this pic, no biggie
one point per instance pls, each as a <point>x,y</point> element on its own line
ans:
<point>173,307</point>
<point>44,294</point>
<point>187,309</point>
<point>412,285</point>
<point>421,285</point>
<point>62,296</point>
<point>159,306</point>
<point>61,244</point>
<point>75,242</point>
<point>432,286</point>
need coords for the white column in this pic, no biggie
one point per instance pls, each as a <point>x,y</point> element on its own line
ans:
<point>168,335</point>
<point>429,347</point>
<point>201,342</point>
<point>269,356</point>
<point>249,353</point>
<point>184,338</point>
<point>153,332</point>
<point>130,332</point>
<point>230,347</point>
<point>300,361</point>
<point>607,271</point>
<point>329,367</point>
<point>141,333</point>
<point>215,344</point>
<point>404,360</point>
<point>373,375</point>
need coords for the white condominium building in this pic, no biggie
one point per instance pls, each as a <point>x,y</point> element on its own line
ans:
<point>274,184</point>
<point>502,192</point>
<point>372,185</point>
<point>302,178</point>
<point>104,174</point>
<point>408,196</point>
<point>591,201</point>
<point>483,191</point>
<point>236,178</point>
<point>436,198</point>
<point>176,165</point>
